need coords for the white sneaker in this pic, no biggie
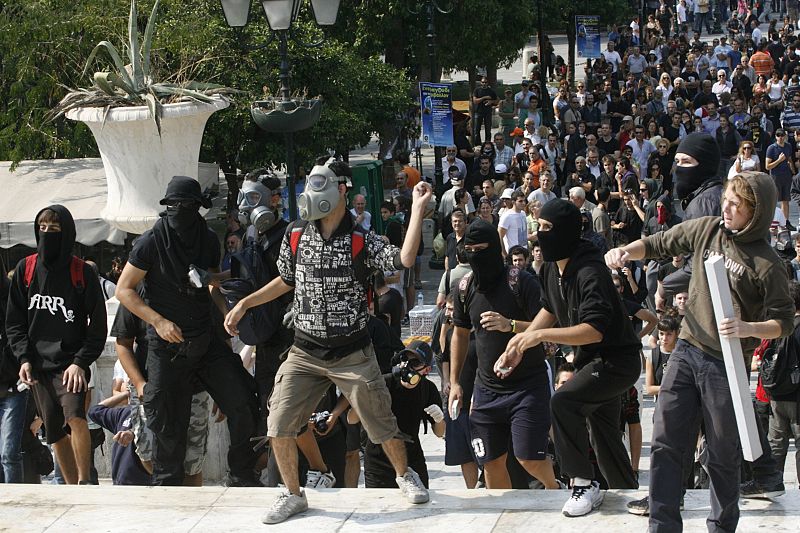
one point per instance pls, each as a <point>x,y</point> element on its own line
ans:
<point>583,500</point>
<point>317,480</point>
<point>286,505</point>
<point>412,488</point>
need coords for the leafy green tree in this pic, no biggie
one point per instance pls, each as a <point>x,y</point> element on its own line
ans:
<point>44,45</point>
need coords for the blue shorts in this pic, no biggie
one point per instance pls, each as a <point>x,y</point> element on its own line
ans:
<point>523,414</point>
<point>457,440</point>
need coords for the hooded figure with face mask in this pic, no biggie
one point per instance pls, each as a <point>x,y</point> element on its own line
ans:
<point>698,186</point>
<point>184,346</point>
<point>56,328</point>
<point>499,301</point>
<point>579,295</point>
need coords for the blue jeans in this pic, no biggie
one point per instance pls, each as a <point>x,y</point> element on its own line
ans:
<point>12,423</point>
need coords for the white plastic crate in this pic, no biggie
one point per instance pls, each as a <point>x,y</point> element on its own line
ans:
<point>421,319</point>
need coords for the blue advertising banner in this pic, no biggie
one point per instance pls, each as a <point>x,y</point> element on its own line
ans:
<point>435,100</point>
<point>587,30</point>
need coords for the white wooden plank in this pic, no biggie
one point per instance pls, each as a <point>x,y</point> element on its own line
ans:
<point>738,381</point>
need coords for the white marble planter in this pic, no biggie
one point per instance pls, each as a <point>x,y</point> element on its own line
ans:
<point>138,162</point>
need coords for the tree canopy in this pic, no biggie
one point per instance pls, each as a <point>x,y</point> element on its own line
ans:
<point>44,45</point>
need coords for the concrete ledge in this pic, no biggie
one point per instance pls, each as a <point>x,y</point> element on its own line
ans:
<point>107,508</point>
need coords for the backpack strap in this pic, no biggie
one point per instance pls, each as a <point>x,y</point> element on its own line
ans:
<point>294,237</point>
<point>76,273</point>
<point>30,269</point>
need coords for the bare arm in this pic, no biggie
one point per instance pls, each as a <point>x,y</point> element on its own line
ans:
<point>128,361</point>
<point>650,386</point>
<point>127,296</point>
<point>421,195</point>
<point>649,319</point>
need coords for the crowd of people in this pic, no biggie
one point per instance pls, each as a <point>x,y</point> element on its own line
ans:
<point>567,246</point>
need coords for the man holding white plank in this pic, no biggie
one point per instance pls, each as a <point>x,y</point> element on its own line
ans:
<point>695,381</point>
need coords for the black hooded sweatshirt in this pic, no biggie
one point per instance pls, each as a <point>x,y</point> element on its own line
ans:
<point>585,294</point>
<point>53,324</point>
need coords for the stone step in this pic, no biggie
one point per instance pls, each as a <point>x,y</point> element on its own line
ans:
<point>218,509</point>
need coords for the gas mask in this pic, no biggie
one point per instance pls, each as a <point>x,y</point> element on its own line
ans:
<point>321,195</point>
<point>406,373</point>
<point>255,206</point>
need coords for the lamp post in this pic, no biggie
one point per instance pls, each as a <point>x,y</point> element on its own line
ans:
<point>284,115</point>
<point>431,7</point>
<point>544,61</point>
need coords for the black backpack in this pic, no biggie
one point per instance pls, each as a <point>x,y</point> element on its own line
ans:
<point>248,274</point>
<point>780,366</point>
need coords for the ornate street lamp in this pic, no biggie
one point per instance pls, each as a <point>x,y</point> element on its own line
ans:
<point>285,114</point>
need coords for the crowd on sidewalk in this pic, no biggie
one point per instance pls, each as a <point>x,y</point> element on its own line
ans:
<point>567,245</point>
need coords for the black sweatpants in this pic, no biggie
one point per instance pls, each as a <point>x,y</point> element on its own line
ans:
<point>694,383</point>
<point>173,371</point>
<point>594,395</point>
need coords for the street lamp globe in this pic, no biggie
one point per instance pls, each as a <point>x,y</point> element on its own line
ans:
<point>325,11</point>
<point>281,13</point>
<point>236,12</point>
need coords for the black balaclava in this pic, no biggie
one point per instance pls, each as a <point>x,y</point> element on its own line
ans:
<point>704,148</point>
<point>185,221</point>
<point>565,235</point>
<point>487,264</point>
<point>49,247</point>
<point>55,248</point>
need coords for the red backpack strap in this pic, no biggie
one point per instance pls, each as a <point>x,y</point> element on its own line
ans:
<point>76,273</point>
<point>357,243</point>
<point>294,239</point>
<point>30,269</point>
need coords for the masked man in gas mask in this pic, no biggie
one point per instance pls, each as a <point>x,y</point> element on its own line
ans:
<point>183,347</point>
<point>579,294</point>
<point>259,201</point>
<point>498,301</point>
<point>323,258</point>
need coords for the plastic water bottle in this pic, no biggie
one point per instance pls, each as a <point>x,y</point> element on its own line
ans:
<point>420,299</point>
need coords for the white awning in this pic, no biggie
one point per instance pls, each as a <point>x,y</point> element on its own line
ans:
<point>78,184</point>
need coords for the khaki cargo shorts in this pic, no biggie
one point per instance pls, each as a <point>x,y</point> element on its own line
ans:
<point>303,379</point>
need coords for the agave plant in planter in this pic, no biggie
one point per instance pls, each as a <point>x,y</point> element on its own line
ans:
<point>147,131</point>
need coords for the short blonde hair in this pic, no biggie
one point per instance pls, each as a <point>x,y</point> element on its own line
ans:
<point>739,185</point>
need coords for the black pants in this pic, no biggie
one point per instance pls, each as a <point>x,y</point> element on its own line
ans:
<point>379,472</point>
<point>481,118</point>
<point>268,360</point>
<point>593,395</point>
<point>173,372</point>
<point>694,384</point>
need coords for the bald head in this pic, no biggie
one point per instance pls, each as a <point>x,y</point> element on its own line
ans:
<point>359,203</point>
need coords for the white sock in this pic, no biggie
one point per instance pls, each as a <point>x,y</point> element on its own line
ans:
<point>581,482</point>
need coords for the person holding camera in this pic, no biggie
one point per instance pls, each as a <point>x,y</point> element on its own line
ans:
<point>414,398</point>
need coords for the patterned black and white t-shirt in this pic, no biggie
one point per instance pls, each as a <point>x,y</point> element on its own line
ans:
<point>330,304</point>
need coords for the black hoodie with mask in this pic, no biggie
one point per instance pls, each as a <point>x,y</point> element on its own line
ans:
<point>178,240</point>
<point>52,324</point>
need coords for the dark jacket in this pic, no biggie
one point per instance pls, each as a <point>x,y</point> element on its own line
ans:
<point>51,323</point>
<point>706,201</point>
<point>585,294</point>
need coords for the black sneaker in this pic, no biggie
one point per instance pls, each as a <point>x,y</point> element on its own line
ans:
<point>790,227</point>
<point>639,507</point>
<point>642,507</point>
<point>755,490</point>
<point>238,481</point>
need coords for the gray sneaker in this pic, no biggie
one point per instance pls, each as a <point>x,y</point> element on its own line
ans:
<point>412,488</point>
<point>317,480</point>
<point>286,505</point>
